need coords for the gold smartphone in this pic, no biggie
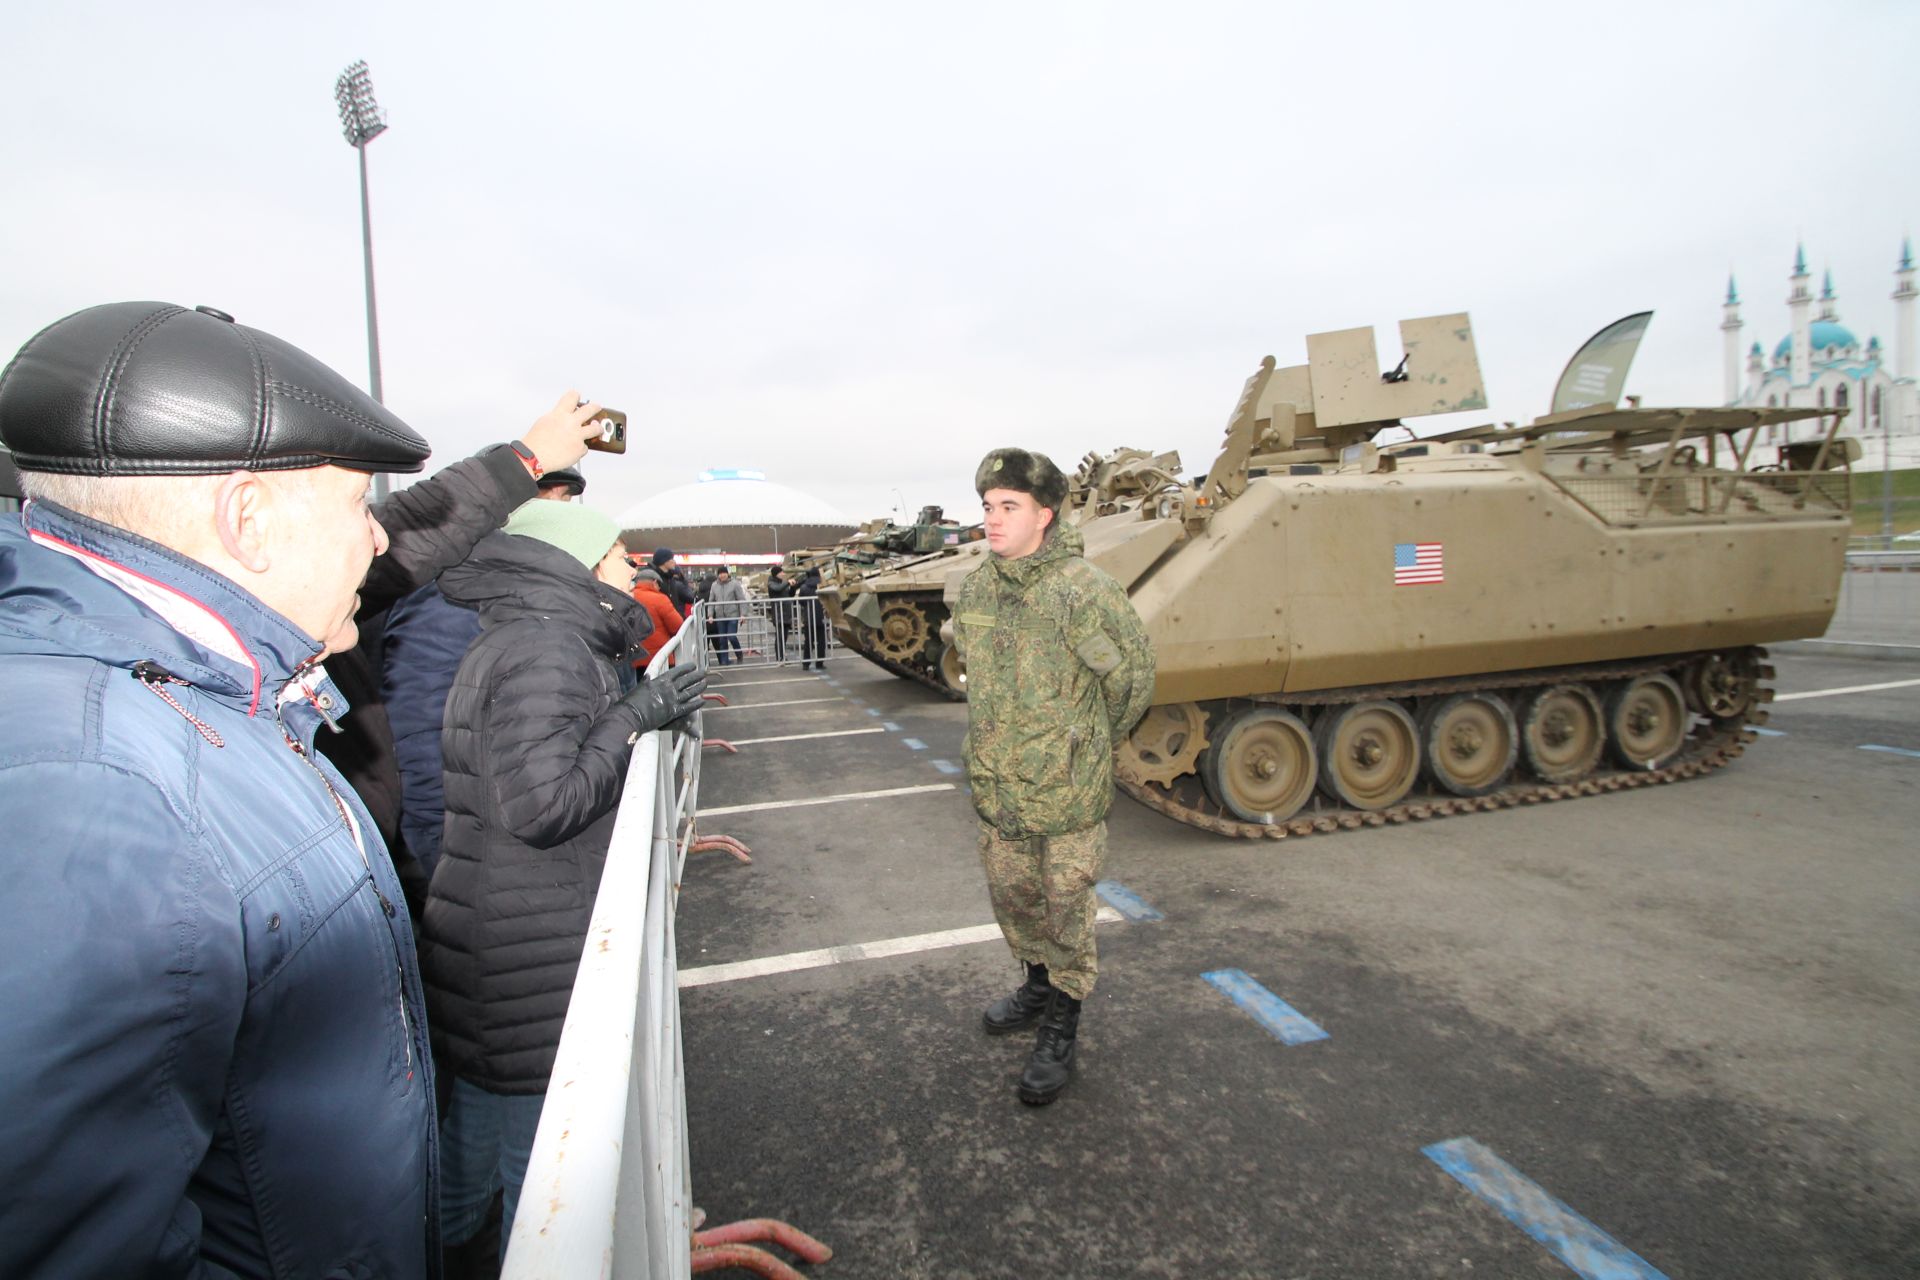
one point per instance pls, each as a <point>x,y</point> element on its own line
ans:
<point>613,432</point>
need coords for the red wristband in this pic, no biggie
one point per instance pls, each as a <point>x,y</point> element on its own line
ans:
<point>527,456</point>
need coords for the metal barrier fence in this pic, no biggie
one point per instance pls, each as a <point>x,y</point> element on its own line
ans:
<point>769,633</point>
<point>608,1192</point>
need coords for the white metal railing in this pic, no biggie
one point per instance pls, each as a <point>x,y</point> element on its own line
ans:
<point>608,1192</point>
<point>1880,561</point>
<point>766,633</point>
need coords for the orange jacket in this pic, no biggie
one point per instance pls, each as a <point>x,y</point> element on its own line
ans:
<point>666,618</point>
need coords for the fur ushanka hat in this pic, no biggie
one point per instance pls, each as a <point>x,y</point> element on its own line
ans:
<point>1022,472</point>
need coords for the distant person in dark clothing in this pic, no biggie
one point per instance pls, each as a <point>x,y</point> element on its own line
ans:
<point>537,741</point>
<point>813,622</point>
<point>779,593</point>
<point>679,590</point>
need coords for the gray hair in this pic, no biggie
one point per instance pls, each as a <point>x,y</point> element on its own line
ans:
<point>163,508</point>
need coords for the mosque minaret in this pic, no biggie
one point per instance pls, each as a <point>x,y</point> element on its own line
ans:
<point>1821,364</point>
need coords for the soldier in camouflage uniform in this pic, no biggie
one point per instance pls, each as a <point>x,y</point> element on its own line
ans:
<point>1058,672</point>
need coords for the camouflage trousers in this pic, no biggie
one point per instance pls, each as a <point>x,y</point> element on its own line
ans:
<point>1043,899</point>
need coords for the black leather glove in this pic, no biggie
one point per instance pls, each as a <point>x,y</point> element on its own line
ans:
<point>671,696</point>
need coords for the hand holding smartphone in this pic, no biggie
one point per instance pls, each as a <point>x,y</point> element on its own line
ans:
<point>613,432</point>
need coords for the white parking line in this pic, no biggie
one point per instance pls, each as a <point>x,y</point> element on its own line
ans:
<point>801,737</point>
<point>852,795</point>
<point>755,706</point>
<point>741,684</point>
<point>1853,688</point>
<point>793,961</point>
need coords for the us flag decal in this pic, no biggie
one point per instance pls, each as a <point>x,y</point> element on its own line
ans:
<point>1415,563</point>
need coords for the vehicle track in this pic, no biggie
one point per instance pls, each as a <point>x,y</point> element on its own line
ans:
<point>1710,745</point>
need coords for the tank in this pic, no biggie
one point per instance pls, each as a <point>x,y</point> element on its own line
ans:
<point>893,613</point>
<point>1352,629</point>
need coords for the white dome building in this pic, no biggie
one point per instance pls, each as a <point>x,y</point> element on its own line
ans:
<point>732,515</point>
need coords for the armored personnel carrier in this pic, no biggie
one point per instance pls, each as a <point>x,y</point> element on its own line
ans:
<point>1351,631</point>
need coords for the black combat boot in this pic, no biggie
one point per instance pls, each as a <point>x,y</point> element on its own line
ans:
<point>1051,1065</point>
<point>1022,1007</point>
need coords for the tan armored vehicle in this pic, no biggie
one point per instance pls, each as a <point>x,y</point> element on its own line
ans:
<point>1351,631</point>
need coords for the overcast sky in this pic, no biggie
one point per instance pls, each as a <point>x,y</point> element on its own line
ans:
<point>857,245</point>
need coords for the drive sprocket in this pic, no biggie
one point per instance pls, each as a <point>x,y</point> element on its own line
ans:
<point>1166,744</point>
<point>902,633</point>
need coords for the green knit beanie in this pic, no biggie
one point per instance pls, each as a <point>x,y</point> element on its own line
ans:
<point>581,532</point>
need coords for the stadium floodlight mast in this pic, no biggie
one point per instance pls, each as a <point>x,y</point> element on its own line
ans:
<point>362,120</point>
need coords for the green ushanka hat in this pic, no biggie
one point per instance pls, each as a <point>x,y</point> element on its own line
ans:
<point>1022,472</point>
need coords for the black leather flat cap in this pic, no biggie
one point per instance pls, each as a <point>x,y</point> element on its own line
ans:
<point>151,389</point>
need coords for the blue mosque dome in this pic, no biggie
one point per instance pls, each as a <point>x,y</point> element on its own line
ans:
<point>1826,333</point>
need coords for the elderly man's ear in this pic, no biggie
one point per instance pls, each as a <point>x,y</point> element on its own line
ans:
<point>243,510</point>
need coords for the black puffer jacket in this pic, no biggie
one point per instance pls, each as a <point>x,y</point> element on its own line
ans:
<point>537,746</point>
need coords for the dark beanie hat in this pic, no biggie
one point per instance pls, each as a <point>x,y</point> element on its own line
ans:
<point>150,389</point>
<point>661,555</point>
<point>575,482</point>
<point>1022,472</point>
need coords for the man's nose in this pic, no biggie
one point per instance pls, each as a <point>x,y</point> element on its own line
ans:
<point>380,542</point>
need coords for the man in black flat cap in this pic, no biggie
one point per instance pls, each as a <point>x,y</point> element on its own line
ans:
<point>563,485</point>
<point>212,1051</point>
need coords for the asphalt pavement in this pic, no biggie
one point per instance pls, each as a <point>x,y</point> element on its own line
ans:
<point>1670,1031</point>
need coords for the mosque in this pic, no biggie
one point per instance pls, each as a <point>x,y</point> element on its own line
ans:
<point>1820,363</point>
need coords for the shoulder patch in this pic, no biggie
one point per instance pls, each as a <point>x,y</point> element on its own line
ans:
<point>1098,653</point>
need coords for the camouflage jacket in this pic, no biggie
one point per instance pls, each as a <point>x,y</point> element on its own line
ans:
<point>1058,671</point>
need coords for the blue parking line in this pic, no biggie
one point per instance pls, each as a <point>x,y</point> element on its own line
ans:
<point>945,766</point>
<point>1591,1252</point>
<point>873,711</point>
<point>1892,751</point>
<point>1286,1023</point>
<point>1770,733</point>
<point>914,744</point>
<point>888,725</point>
<point>1126,901</point>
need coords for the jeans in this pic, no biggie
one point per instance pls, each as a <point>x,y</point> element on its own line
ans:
<point>485,1139</point>
<point>724,637</point>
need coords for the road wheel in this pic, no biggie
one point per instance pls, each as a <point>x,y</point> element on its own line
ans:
<point>1646,721</point>
<point>1560,734</point>
<point>952,670</point>
<point>1260,765</point>
<point>1369,753</point>
<point>1470,742</point>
